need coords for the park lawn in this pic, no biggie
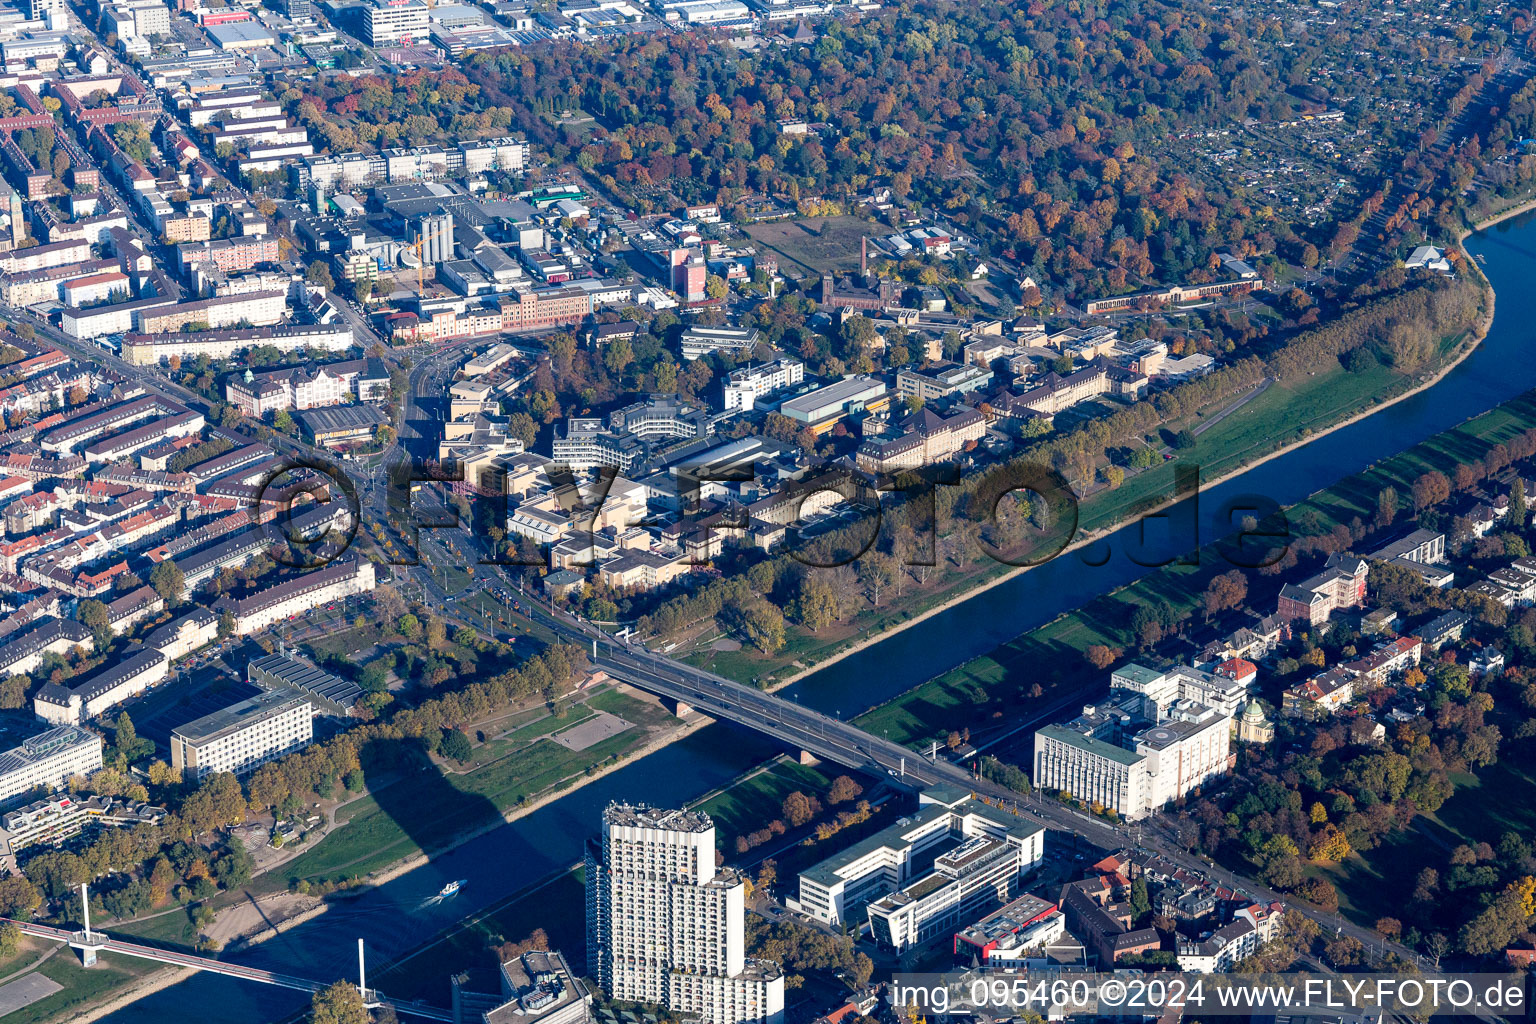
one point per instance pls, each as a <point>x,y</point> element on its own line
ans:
<point>28,951</point>
<point>174,929</point>
<point>82,986</point>
<point>997,685</point>
<point>821,245</point>
<point>358,638</point>
<point>1051,655</point>
<point>1286,412</point>
<point>373,839</point>
<point>1373,884</point>
<point>644,711</point>
<point>499,746</point>
<point>749,804</point>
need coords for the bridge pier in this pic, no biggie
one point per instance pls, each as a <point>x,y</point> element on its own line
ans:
<point>87,947</point>
<point>676,707</point>
<point>809,759</point>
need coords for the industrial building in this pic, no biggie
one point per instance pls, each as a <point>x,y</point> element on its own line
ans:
<point>329,694</point>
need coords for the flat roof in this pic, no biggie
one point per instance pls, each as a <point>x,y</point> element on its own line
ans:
<point>1099,748</point>
<point>240,716</point>
<point>842,391</point>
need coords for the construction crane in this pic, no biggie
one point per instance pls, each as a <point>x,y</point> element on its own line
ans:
<point>419,248</point>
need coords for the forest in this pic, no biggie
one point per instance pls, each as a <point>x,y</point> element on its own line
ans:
<point>1042,127</point>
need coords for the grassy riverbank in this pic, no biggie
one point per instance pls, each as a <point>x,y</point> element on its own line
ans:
<point>999,686</point>
<point>1286,414</point>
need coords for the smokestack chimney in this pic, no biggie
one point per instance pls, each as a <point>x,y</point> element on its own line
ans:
<point>864,257</point>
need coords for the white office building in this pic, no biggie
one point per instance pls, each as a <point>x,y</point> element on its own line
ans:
<point>1112,755</point>
<point>977,854</point>
<point>701,341</point>
<point>48,760</point>
<point>242,736</point>
<point>745,386</point>
<point>394,21</point>
<point>666,926</point>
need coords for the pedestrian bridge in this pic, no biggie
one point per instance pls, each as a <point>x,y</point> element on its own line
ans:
<point>92,943</point>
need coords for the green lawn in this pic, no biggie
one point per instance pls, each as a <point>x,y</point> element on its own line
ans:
<point>173,929</point>
<point>82,986</point>
<point>374,839</point>
<point>995,687</point>
<point>1286,412</point>
<point>1500,798</point>
<point>750,804</point>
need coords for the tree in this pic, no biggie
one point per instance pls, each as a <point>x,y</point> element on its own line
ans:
<point>715,287</point>
<point>815,605</point>
<point>128,742</point>
<point>168,581</point>
<point>10,939</point>
<point>18,897</point>
<point>876,571</point>
<point>1226,591</point>
<point>133,139</point>
<point>341,1003</point>
<point>456,745</point>
<point>282,421</point>
<point>797,809</point>
<point>320,274</point>
<point>1517,505</point>
<point>843,789</point>
<point>1386,506</point>
<point>1101,656</point>
<point>93,616</point>
<point>1430,489</point>
<point>1141,903</point>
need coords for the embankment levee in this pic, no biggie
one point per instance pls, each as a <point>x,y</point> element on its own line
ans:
<point>166,977</point>
<point>1475,334</point>
<point>163,978</point>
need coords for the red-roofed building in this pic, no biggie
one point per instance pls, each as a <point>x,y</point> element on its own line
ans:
<point>1238,670</point>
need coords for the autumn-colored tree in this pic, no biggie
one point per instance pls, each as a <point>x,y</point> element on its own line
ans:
<point>1101,656</point>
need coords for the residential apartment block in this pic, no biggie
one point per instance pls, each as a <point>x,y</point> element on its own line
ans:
<point>666,926</point>
<point>334,582</point>
<point>48,761</point>
<point>136,670</point>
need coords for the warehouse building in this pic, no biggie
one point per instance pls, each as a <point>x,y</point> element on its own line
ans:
<point>329,694</point>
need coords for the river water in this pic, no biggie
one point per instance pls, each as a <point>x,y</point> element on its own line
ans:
<point>392,918</point>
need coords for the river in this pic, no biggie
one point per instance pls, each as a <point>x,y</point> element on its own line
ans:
<point>392,918</point>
